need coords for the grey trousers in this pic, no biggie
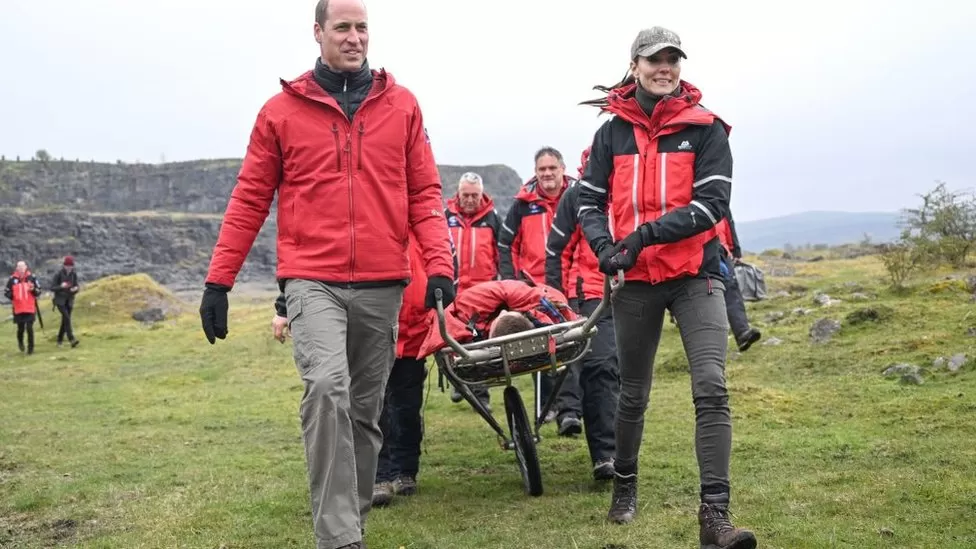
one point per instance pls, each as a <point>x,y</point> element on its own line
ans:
<point>698,306</point>
<point>344,347</point>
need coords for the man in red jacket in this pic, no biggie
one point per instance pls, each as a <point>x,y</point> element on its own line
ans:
<point>474,224</point>
<point>22,290</point>
<point>346,151</point>
<point>522,242</point>
<point>592,387</point>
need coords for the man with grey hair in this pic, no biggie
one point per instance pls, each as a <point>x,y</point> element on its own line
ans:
<point>474,224</point>
<point>345,149</point>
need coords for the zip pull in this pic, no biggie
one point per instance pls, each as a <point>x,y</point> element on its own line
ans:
<point>709,282</point>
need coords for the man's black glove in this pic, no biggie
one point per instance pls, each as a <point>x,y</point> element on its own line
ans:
<point>213,311</point>
<point>446,286</point>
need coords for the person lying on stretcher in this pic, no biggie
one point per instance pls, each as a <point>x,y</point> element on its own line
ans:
<point>496,308</point>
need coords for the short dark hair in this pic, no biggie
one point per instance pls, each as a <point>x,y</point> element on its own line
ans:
<point>321,12</point>
<point>549,151</point>
<point>507,324</point>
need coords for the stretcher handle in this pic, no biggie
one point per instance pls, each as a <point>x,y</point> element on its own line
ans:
<point>442,325</point>
<point>610,288</point>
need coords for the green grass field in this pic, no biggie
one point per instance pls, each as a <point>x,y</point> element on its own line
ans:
<point>148,437</point>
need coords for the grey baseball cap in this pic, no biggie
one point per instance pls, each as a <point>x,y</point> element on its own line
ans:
<point>652,40</point>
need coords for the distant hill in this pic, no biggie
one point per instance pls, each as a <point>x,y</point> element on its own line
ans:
<point>818,227</point>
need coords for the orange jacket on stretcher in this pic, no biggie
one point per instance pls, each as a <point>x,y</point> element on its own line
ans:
<point>471,313</point>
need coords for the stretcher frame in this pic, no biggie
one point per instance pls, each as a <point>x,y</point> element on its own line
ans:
<point>495,362</point>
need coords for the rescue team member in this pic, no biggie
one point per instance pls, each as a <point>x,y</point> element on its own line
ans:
<point>735,307</point>
<point>346,151</point>
<point>22,290</point>
<point>591,389</point>
<point>65,286</point>
<point>522,243</point>
<point>474,224</point>
<point>400,422</point>
<point>663,167</point>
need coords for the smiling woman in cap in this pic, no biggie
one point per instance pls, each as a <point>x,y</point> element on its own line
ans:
<point>662,165</point>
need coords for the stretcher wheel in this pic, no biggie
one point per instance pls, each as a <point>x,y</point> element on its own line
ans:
<point>523,441</point>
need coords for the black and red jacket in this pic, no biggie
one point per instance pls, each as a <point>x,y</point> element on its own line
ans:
<point>475,240</point>
<point>522,243</point>
<point>571,266</point>
<point>671,170</point>
<point>349,191</point>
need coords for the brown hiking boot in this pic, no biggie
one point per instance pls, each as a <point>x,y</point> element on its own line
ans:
<point>623,505</point>
<point>716,530</point>
<point>383,493</point>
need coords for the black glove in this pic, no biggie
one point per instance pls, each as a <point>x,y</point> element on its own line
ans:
<point>213,311</point>
<point>446,285</point>
<point>606,258</point>
<point>281,305</point>
<point>629,248</point>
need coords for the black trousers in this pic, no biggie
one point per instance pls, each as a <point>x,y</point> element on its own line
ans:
<point>65,330</point>
<point>25,325</point>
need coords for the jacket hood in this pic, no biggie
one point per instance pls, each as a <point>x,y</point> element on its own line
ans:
<point>670,109</point>
<point>306,86</point>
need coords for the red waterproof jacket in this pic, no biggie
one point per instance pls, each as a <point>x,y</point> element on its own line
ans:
<point>471,313</point>
<point>522,243</point>
<point>571,265</point>
<point>349,192</point>
<point>475,240</point>
<point>671,170</point>
<point>23,290</point>
<point>413,313</point>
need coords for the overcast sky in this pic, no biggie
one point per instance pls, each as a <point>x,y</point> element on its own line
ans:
<point>837,105</point>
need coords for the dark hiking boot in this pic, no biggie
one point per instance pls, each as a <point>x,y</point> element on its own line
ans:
<point>570,426</point>
<point>623,506</point>
<point>74,343</point>
<point>603,469</point>
<point>716,530</point>
<point>751,336</point>
<point>20,346</point>
<point>405,485</point>
<point>383,493</point>
<point>456,395</point>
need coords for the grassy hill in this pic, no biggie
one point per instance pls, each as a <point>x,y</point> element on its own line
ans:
<point>146,436</point>
<point>818,227</point>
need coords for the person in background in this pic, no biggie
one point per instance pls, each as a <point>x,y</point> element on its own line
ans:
<point>22,290</point>
<point>656,184</point>
<point>474,224</point>
<point>522,242</point>
<point>735,307</point>
<point>65,288</point>
<point>345,149</point>
<point>591,389</point>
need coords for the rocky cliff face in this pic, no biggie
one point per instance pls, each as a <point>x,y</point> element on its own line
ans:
<point>159,219</point>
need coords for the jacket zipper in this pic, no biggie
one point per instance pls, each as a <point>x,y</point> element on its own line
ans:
<point>362,132</point>
<point>352,210</point>
<point>473,244</point>
<point>335,133</point>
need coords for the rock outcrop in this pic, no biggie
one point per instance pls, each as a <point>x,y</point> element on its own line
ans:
<point>162,219</point>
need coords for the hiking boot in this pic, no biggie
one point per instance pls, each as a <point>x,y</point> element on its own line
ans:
<point>716,531</point>
<point>74,343</point>
<point>569,426</point>
<point>603,469</point>
<point>751,336</point>
<point>60,344</point>
<point>456,395</point>
<point>550,416</point>
<point>20,346</point>
<point>405,485</point>
<point>623,505</point>
<point>383,493</point>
